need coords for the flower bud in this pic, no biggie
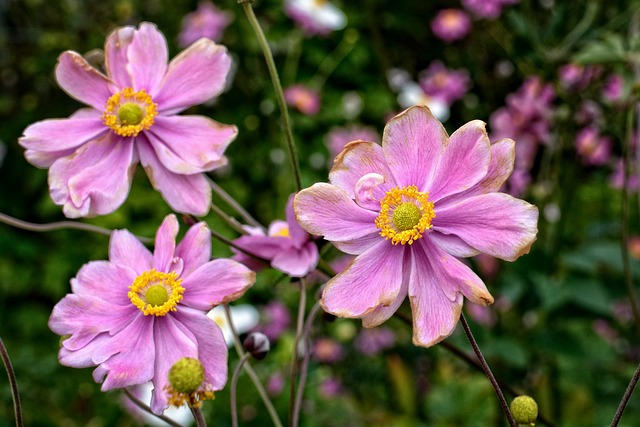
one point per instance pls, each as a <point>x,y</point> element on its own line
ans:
<point>524,410</point>
<point>257,344</point>
<point>186,375</point>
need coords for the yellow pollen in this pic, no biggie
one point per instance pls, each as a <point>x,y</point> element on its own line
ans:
<point>156,293</point>
<point>129,112</point>
<point>282,233</point>
<point>405,213</point>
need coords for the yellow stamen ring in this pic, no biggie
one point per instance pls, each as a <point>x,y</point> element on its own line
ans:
<point>405,213</point>
<point>156,293</point>
<point>129,112</point>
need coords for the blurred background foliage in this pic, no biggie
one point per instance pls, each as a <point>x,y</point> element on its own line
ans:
<point>560,329</point>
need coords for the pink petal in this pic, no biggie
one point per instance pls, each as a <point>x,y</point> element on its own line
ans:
<point>326,210</point>
<point>190,144</point>
<point>105,280</point>
<point>163,252</point>
<point>368,191</point>
<point>62,134</point>
<point>495,223</point>
<point>298,235</point>
<point>81,81</point>
<point>196,75</point>
<point>216,282</point>
<point>126,250</point>
<point>94,180</point>
<point>115,55</point>
<point>81,357</point>
<point>147,58</point>
<point>356,160</point>
<point>195,248</point>
<point>412,143</point>
<point>297,262</point>
<point>265,247</point>
<point>382,313</point>
<point>190,194</point>
<point>452,244</point>
<point>463,163</point>
<point>372,279</point>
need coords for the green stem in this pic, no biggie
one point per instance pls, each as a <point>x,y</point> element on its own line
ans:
<point>247,218</point>
<point>273,72</point>
<point>17,409</point>
<point>234,384</point>
<point>332,60</point>
<point>294,359</point>
<point>305,362</point>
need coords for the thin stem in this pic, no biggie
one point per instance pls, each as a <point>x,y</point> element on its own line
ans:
<point>233,203</point>
<point>294,359</point>
<point>331,61</point>
<point>231,221</point>
<point>487,371</point>
<point>625,399</point>
<point>199,417</point>
<point>252,374</point>
<point>234,384</point>
<point>140,404</point>
<point>305,362</point>
<point>273,72</point>
<point>17,409</point>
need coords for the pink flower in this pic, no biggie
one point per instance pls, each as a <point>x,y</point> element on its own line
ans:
<point>489,9</point>
<point>445,84</point>
<point>207,21</point>
<point>408,209</point>
<point>286,245</point>
<point>450,25</point>
<point>137,314</point>
<point>304,99</point>
<point>593,148</point>
<point>132,117</point>
<point>613,89</point>
<point>315,17</point>
<point>577,77</point>
<point>338,137</point>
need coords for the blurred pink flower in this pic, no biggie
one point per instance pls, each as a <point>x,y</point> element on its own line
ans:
<point>613,89</point>
<point>451,24</point>
<point>445,84</point>
<point>616,180</point>
<point>275,320</point>
<point>206,21</point>
<point>485,316</point>
<point>327,350</point>
<point>132,117</point>
<point>338,137</point>
<point>304,99</point>
<point>331,387</point>
<point>137,314</point>
<point>577,77</point>
<point>371,342</point>
<point>488,9</point>
<point>315,17</point>
<point>408,209</point>
<point>593,148</point>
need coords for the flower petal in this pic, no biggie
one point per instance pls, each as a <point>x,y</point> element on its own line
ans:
<point>495,223</point>
<point>194,248</point>
<point>368,192</point>
<point>190,194</point>
<point>62,134</point>
<point>190,144</point>
<point>453,245</point>
<point>126,250</point>
<point>115,55</point>
<point>165,244</point>
<point>105,280</point>
<point>196,75</point>
<point>372,279</point>
<point>382,313</point>
<point>216,282</point>
<point>95,180</point>
<point>81,81</point>
<point>412,143</point>
<point>297,262</point>
<point>298,235</point>
<point>357,159</point>
<point>147,58</point>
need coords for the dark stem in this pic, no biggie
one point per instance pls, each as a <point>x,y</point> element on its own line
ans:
<point>17,409</point>
<point>140,404</point>
<point>487,371</point>
<point>197,414</point>
<point>305,362</point>
<point>626,397</point>
<point>234,384</point>
<point>294,359</point>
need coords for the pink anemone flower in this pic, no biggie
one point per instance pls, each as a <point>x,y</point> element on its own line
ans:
<point>409,208</point>
<point>132,117</point>
<point>137,314</point>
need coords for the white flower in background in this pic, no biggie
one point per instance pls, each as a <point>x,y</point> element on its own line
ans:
<point>315,17</point>
<point>412,94</point>
<point>244,316</point>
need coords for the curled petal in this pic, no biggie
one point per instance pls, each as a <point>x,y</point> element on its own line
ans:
<point>365,188</point>
<point>358,158</point>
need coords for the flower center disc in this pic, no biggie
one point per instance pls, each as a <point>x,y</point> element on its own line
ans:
<point>156,293</point>
<point>405,213</point>
<point>129,112</point>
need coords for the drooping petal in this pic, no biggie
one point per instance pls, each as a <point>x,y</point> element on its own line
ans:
<point>372,279</point>
<point>106,280</point>
<point>81,81</point>
<point>216,282</point>
<point>194,248</point>
<point>382,313</point>
<point>95,180</point>
<point>356,160</point>
<point>189,194</point>
<point>368,193</point>
<point>495,223</point>
<point>61,134</point>
<point>463,163</point>
<point>412,143</point>
<point>163,252</point>
<point>298,235</point>
<point>147,58</point>
<point>126,250</point>
<point>297,262</point>
<point>190,144</point>
<point>196,75</point>
<point>115,56</point>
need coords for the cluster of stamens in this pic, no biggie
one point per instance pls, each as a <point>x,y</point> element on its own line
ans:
<point>156,293</point>
<point>129,112</point>
<point>405,213</point>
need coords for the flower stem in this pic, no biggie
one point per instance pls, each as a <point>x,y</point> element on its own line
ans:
<point>17,409</point>
<point>332,60</point>
<point>625,399</point>
<point>234,384</point>
<point>248,219</point>
<point>140,404</point>
<point>305,362</point>
<point>197,414</point>
<point>487,371</point>
<point>273,72</point>
<point>294,359</point>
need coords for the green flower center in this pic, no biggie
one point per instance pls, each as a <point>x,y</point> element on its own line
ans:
<point>130,114</point>
<point>406,215</point>
<point>156,295</point>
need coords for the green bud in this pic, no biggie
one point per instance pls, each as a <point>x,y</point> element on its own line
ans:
<point>524,410</point>
<point>186,375</point>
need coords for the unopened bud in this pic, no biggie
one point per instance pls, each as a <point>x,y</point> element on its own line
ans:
<point>524,410</point>
<point>257,344</point>
<point>186,375</point>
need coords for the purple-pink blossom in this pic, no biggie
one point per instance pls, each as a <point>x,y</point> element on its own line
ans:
<point>594,149</point>
<point>206,21</point>
<point>138,313</point>
<point>315,17</point>
<point>488,9</point>
<point>443,83</point>
<point>132,117</point>
<point>303,99</point>
<point>286,246</point>
<point>613,89</point>
<point>338,137</point>
<point>408,209</point>
<point>450,25</point>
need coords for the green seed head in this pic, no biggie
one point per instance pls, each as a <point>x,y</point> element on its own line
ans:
<point>524,410</point>
<point>156,295</point>
<point>130,114</point>
<point>406,215</point>
<point>186,375</point>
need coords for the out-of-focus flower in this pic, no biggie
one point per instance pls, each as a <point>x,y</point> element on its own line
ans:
<point>445,84</point>
<point>137,314</point>
<point>275,320</point>
<point>338,137</point>
<point>588,113</point>
<point>451,24</point>
<point>488,9</point>
<point>315,17</point>
<point>371,342</point>
<point>132,117</point>
<point>304,99</point>
<point>286,245</point>
<point>633,246</point>
<point>331,387</point>
<point>411,93</point>
<point>409,209</point>
<point>593,148</point>
<point>616,180</point>
<point>577,77</point>
<point>487,265</point>
<point>244,317</point>
<point>483,315</point>
<point>206,21</point>
<point>613,89</point>
<point>275,384</point>
<point>327,350</point>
